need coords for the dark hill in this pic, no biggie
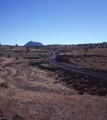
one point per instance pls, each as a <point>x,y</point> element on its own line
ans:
<point>31,43</point>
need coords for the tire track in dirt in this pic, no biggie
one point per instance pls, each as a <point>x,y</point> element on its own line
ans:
<point>13,77</point>
<point>23,76</point>
<point>8,74</point>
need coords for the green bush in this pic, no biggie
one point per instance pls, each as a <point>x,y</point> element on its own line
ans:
<point>5,85</point>
<point>72,92</point>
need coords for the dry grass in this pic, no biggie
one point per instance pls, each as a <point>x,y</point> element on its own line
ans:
<point>36,94</point>
<point>31,106</point>
<point>95,59</point>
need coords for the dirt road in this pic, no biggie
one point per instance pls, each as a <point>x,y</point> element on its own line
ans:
<point>77,69</point>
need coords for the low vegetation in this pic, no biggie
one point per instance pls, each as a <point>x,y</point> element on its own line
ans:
<point>5,84</point>
<point>41,91</point>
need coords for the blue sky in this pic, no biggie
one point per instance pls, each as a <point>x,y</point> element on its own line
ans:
<point>53,21</point>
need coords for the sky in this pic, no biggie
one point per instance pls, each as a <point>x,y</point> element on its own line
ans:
<point>53,21</point>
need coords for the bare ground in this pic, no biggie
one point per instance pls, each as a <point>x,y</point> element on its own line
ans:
<point>34,95</point>
<point>38,92</point>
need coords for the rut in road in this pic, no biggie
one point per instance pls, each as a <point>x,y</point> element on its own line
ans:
<point>8,74</point>
<point>24,76</point>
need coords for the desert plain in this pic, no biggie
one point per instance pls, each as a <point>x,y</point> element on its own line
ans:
<point>34,89</point>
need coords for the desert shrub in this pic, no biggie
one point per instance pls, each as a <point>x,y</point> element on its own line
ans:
<point>72,92</point>
<point>86,49</point>
<point>11,47</point>
<point>27,49</point>
<point>8,56</point>
<point>16,58</point>
<point>5,85</point>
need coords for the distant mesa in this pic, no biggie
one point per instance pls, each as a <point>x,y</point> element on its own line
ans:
<point>31,43</point>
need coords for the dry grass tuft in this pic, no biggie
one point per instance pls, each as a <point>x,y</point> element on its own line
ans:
<point>5,84</point>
